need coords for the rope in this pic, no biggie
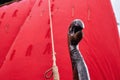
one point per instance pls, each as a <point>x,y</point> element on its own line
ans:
<point>54,67</point>
<point>46,74</point>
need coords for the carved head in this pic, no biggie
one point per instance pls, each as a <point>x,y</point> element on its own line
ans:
<point>75,32</point>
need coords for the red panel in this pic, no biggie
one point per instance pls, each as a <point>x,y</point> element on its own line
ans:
<point>11,19</point>
<point>30,54</point>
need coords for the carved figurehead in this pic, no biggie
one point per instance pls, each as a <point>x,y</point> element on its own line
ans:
<point>75,35</point>
<point>75,32</point>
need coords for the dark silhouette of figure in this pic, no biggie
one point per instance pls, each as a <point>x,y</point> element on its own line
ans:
<point>75,34</point>
<point>2,2</point>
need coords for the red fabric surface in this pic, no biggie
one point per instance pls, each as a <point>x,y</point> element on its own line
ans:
<point>30,53</point>
<point>11,19</point>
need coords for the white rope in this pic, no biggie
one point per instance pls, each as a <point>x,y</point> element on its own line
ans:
<point>54,68</point>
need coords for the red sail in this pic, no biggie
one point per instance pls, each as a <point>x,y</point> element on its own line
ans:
<point>25,43</point>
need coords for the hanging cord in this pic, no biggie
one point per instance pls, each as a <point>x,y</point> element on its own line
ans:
<point>47,75</point>
<point>54,68</point>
